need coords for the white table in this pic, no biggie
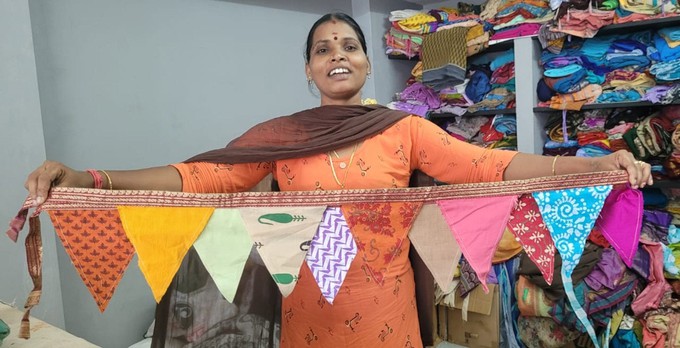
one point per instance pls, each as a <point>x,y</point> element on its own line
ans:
<point>42,333</point>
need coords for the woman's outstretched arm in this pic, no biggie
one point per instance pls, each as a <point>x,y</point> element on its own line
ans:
<point>525,166</point>
<point>54,174</point>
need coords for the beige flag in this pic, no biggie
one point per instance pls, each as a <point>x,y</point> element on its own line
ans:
<point>432,238</point>
<point>282,236</point>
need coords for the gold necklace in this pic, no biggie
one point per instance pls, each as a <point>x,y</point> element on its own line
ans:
<point>351,159</point>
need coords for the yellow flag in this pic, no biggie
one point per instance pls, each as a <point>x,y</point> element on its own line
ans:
<point>162,236</point>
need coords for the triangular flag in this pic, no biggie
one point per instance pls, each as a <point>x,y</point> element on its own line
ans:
<point>162,236</point>
<point>569,215</point>
<point>282,236</point>
<point>379,230</point>
<point>331,253</point>
<point>478,224</point>
<point>432,238</point>
<point>621,221</point>
<point>529,229</point>
<point>224,247</point>
<point>98,248</point>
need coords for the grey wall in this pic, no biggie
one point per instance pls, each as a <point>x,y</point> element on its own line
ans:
<point>21,141</point>
<point>135,83</point>
<point>127,84</point>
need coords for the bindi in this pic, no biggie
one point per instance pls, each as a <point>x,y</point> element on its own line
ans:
<point>335,36</point>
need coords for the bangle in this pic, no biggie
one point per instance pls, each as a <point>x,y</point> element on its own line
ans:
<point>553,164</point>
<point>98,182</point>
<point>108,178</point>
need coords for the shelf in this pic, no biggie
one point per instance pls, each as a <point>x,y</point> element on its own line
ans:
<point>402,57</point>
<point>609,106</point>
<point>666,183</point>
<point>656,23</point>
<point>444,115</point>
<point>494,46</point>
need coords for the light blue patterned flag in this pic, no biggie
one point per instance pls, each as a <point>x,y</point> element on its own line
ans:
<point>569,215</point>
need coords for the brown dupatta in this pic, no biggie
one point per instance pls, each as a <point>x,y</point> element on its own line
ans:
<point>305,133</point>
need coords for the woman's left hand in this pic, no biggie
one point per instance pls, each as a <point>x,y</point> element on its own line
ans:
<point>639,172</point>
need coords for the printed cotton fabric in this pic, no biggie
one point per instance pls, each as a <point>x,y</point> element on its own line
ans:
<point>570,215</point>
<point>527,225</point>
<point>331,253</point>
<point>98,247</point>
<point>196,312</point>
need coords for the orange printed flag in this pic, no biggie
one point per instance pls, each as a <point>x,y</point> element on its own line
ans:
<point>98,248</point>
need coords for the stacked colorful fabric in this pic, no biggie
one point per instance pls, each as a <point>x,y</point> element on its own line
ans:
<point>649,134</point>
<point>409,28</point>
<point>583,18</point>
<point>638,66</point>
<point>519,18</point>
<point>500,88</point>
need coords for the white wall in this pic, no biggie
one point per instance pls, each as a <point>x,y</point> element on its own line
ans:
<point>22,144</point>
<point>119,84</point>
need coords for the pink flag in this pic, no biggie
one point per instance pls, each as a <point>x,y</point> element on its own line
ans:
<point>621,220</point>
<point>478,225</point>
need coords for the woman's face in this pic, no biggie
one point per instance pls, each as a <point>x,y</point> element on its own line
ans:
<point>337,64</point>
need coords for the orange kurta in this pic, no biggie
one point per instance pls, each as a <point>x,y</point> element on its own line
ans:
<point>364,313</point>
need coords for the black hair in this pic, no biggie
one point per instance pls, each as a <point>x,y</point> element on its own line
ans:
<point>331,16</point>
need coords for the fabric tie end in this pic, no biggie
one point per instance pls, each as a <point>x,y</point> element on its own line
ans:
<point>17,224</point>
<point>13,235</point>
<point>25,328</point>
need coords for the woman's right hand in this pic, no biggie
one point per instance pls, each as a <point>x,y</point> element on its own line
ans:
<point>50,174</point>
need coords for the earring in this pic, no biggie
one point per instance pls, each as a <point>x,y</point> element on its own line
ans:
<point>368,75</point>
<point>309,80</point>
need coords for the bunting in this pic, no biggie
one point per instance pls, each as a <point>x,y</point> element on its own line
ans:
<point>621,221</point>
<point>478,225</point>
<point>97,246</point>
<point>569,215</point>
<point>161,226</point>
<point>224,247</point>
<point>432,238</point>
<point>529,229</point>
<point>331,253</point>
<point>162,236</point>
<point>282,236</point>
<point>388,225</point>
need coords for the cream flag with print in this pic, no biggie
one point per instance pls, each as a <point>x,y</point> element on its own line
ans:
<point>282,236</point>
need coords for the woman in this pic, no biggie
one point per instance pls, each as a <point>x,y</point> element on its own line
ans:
<point>342,145</point>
